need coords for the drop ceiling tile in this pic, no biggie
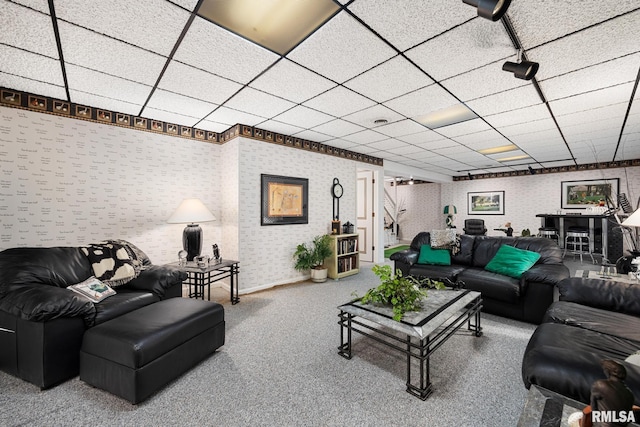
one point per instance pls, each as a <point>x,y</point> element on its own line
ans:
<point>365,137</point>
<point>97,101</point>
<point>588,47</point>
<point>629,148</point>
<point>522,115</point>
<point>427,19</point>
<point>389,80</point>
<point>212,48</point>
<point>388,144</point>
<point>312,136</point>
<point>187,4</point>
<point>189,81</point>
<point>339,102</point>
<point>464,128</point>
<point>213,126</point>
<point>104,54</point>
<point>232,117</point>
<point>555,164</point>
<point>101,84</point>
<point>591,100</point>
<point>539,21</point>
<point>27,29</point>
<point>166,116</point>
<point>408,150</point>
<point>367,116</point>
<point>610,73</point>
<point>39,5</point>
<point>259,103</point>
<point>303,117</point>
<point>422,102</point>
<point>596,117</point>
<point>365,149</point>
<point>150,24</point>
<point>513,99</point>
<point>32,86</point>
<point>524,128</point>
<point>338,128</point>
<point>549,136</point>
<point>471,45</point>
<point>439,143</point>
<point>291,81</point>
<point>490,135</point>
<point>451,151</point>
<point>400,128</point>
<point>332,49</point>
<point>168,101</point>
<point>424,136</point>
<point>30,65</point>
<point>279,127</point>
<point>341,143</point>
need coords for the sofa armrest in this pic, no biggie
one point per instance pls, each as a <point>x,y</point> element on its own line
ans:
<point>42,303</point>
<point>157,279</point>
<point>604,294</point>
<point>547,273</point>
<point>407,256</point>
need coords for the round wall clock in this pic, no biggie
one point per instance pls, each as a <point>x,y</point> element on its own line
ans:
<point>337,189</point>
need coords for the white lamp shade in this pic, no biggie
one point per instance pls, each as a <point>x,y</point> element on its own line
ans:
<point>191,211</point>
<point>633,220</point>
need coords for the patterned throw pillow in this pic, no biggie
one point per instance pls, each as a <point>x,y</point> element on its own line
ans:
<point>443,239</point>
<point>112,262</point>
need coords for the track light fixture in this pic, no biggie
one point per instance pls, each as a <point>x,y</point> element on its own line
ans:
<point>490,9</point>
<point>525,70</point>
<point>532,171</point>
<point>470,176</point>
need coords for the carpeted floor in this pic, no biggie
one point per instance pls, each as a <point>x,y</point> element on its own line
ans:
<point>280,367</point>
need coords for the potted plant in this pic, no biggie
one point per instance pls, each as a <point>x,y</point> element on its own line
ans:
<point>402,293</point>
<point>312,257</point>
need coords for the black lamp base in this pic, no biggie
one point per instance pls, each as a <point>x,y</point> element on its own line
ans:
<point>192,241</point>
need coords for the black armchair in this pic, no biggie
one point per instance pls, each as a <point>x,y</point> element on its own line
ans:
<point>474,227</point>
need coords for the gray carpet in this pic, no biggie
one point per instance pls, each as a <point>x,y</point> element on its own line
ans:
<point>280,367</point>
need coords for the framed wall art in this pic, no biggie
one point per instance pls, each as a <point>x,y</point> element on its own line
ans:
<point>285,200</point>
<point>588,193</point>
<point>485,203</point>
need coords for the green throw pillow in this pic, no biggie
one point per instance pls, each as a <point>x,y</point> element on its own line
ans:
<point>512,262</point>
<point>428,255</point>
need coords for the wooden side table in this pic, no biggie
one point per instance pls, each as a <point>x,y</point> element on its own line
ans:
<point>199,277</point>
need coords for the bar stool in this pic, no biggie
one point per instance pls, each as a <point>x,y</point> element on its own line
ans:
<point>549,233</point>
<point>578,238</point>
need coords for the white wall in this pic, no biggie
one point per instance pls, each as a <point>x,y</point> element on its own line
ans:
<point>71,182</point>
<point>423,210</point>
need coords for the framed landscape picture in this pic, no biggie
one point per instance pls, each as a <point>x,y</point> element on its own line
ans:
<point>588,193</point>
<point>285,200</point>
<point>485,203</point>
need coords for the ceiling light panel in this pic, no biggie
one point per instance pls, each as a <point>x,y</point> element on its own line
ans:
<point>610,73</point>
<point>592,100</point>
<point>101,53</point>
<point>27,29</point>
<point>205,43</point>
<point>400,128</point>
<point>32,86</point>
<point>291,81</point>
<point>332,49</point>
<point>232,117</point>
<point>168,101</point>
<point>367,116</point>
<point>539,21</point>
<point>422,102</point>
<point>389,80</point>
<point>303,117</point>
<point>90,81</point>
<point>30,65</point>
<point>513,99</point>
<point>366,136</point>
<point>189,81</point>
<point>111,104</point>
<point>166,116</point>
<point>259,103</point>
<point>469,46</point>
<point>465,128</point>
<point>339,102</point>
<point>149,24</point>
<point>279,127</point>
<point>588,47</point>
<point>338,128</point>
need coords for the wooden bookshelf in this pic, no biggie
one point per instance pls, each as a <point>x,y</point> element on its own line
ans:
<point>345,258</point>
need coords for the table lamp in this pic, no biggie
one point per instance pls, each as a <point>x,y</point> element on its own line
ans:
<point>449,212</point>
<point>191,212</point>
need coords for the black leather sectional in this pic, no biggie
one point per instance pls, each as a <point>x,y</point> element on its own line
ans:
<point>526,298</point>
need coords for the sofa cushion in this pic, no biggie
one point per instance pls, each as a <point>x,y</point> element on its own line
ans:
<point>436,272</point>
<point>512,262</point>
<point>605,294</point>
<point>124,301</point>
<point>492,285</point>
<point>428,255</point>
<point>464,254</point>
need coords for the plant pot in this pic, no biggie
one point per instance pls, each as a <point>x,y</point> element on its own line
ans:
<point>318,275</point>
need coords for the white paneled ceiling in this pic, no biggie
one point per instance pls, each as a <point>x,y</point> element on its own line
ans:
<point>391,60</point>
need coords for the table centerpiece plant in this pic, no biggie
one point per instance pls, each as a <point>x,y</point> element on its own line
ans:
<point>402,293</point>
<point>311,257</point>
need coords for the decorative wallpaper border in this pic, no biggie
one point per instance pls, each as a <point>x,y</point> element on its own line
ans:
<point>28,101</point>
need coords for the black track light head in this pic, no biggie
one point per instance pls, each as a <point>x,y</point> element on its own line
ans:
<point>525,70</point>
<point>490,9</point>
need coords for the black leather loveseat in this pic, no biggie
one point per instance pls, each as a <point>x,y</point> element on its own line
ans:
<point>42,323</point>
<point>594,320</point>
<point>526,298</point>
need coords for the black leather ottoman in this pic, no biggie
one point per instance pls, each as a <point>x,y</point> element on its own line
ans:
<point>138,353</point>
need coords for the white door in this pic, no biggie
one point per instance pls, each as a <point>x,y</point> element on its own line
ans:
<point>365,215</point>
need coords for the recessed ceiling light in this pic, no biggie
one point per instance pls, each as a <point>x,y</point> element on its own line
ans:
<point>500,149</point>
<point>509,159</point>
<point>447,116</point>
<point>380,122</point>
<point>278,25</point>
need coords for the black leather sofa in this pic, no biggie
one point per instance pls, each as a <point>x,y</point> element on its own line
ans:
<point>524,299</point>
<point>42,323</point>
<point>593,320</point>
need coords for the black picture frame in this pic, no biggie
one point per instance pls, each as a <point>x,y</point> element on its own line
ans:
<point>284,200</point>
<point>589,192</point>
<point>485,203</point>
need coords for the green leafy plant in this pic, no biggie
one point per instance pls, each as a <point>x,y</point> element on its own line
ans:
<point>312,256</point>
<point>403,293</point>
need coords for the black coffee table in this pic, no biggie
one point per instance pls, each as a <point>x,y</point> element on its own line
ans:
<point>418,335</point>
